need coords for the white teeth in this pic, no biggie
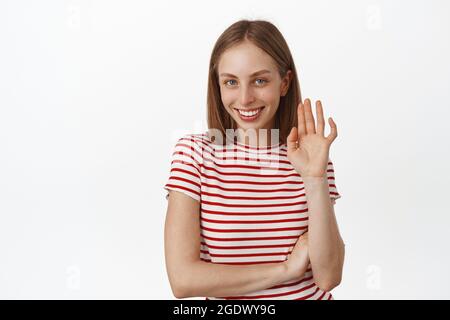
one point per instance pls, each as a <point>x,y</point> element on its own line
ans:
<point>249,113</point>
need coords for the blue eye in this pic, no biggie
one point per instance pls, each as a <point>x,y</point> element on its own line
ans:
<point>263,81</point>
<point>226,82</point>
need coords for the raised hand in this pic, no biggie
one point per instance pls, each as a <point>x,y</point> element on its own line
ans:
<point>308,148</point>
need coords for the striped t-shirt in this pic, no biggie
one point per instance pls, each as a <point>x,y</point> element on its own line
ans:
<point>252,207</point>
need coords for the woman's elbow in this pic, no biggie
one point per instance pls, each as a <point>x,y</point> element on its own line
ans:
<point>179,292</point>
<point>180,283</point>
<point>328,286</point>
<point>333,277</point>
<point>179,288</point>
<point>330,283</point>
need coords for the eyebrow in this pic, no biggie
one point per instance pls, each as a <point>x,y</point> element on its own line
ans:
<point>257,73</point>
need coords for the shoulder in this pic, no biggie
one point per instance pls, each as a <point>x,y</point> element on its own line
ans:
<point>196,138</point>
<point>194,145</point>
<point>198,141</point>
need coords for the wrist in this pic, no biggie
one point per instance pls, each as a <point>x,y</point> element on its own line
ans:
<point>312,180</point>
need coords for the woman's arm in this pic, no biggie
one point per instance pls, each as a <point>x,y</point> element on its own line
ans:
<point>191,277</point>
<point>326,248</point>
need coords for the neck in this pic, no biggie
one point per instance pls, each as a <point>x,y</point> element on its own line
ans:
<point>258,137</point>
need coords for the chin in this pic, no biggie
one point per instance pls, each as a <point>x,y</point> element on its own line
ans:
<point>246,126</point>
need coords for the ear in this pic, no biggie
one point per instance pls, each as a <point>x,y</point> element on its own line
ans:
<point>285,82</point>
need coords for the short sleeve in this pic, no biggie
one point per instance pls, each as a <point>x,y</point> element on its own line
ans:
<point>185,171</point>
<point>334,193</point>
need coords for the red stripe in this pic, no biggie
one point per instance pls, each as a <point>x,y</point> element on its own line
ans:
<point>251,190</point>
<point>266,164</point>
<point>321,296</point>
<point>249,247</point>
<point>205,139</point>
<point>253,213</point>
<point>236,153</point>
<point>252,182</point>
<point>245,262</point>
<point>186,180</point>
<point>183,188</point>
<point>254,230</point>
<point>237,255</point>
<point>254,221</point>
<point>185,171</point>
<point>245,174</point>
<point>186,154</point>
<point>257,148</point>
<point>309,295</point>
<point>249,167</point>
<point>257,182</point>
<point>292,283</point>
<point>231,205</point>
<point>185,163</point>
<point>251,198</point>
<point>249,239</point>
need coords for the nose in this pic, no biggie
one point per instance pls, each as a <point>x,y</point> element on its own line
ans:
<point>246,96</point>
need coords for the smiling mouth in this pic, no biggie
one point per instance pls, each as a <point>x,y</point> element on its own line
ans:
<point>249,112</point>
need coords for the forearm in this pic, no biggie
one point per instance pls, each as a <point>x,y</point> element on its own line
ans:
<point>326,248</point>
<point>221,280</point>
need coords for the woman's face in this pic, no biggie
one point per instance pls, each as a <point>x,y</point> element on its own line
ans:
<point>251,86</point>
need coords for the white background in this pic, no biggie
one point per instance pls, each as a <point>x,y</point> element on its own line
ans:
<point>94,94</point>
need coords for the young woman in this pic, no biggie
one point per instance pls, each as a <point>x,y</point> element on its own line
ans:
<point>250,215</point>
